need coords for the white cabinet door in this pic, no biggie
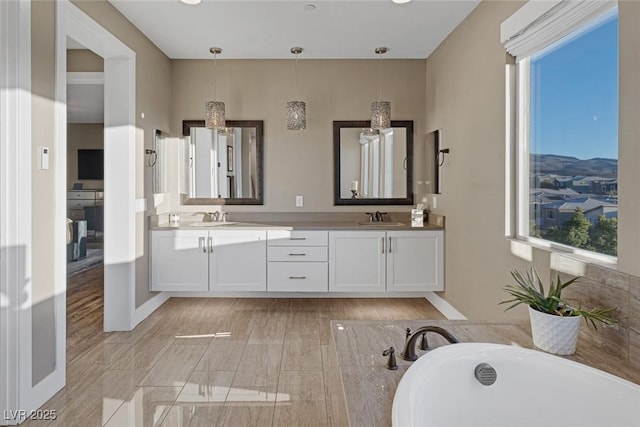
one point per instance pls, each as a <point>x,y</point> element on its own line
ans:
<point>179,260</point>
<point>415,260</point>
<point>357,261</point>
<point>238,260</point>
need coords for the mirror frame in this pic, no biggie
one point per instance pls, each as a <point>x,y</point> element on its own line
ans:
<point>259,199</point>
<point>363,124</point>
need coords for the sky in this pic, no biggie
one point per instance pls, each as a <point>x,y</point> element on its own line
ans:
<point>574,96</point>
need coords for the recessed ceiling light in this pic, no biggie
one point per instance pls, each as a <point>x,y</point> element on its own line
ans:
<point>401,1</point>
<point>191,2</point>
<point>310,7</point>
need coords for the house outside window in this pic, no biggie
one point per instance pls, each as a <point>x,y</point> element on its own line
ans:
<point>567,146</point>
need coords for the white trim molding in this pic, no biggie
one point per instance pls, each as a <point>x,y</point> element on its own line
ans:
<point>16,390</point>
<point>538,24</point>
<point>149,307</point>
<point>448,311</point>
<point>119,159</point>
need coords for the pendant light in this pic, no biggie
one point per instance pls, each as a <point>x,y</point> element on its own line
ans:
<point>296,110</point>
<point>214,110</point>
<point>380,110</point>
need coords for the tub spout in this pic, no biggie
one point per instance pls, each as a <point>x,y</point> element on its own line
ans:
<point>409,352</point>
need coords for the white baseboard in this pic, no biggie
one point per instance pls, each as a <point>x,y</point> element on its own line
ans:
<point>444,307</point>
<point>148,307</point>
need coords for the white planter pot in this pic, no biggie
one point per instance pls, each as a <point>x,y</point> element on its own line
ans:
<point>554,334</point>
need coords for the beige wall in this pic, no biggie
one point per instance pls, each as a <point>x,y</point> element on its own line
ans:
<point>298,162</point>
<point>153,85</point>
<point>82,135</point>
<point>466,99</point>
<point>83,60</point>
<point>153,99</point>
<point>629,131</point>
<point>42,75</point>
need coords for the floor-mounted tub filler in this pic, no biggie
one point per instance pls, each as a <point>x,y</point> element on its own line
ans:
<point>478,384</point>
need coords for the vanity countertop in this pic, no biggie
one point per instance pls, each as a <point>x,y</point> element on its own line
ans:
<point>301,225</point>
<point>369,387</point>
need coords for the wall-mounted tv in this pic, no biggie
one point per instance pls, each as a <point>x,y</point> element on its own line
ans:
<point>90,164</point>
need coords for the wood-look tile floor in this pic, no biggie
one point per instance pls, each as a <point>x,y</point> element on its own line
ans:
<point>212,362</point>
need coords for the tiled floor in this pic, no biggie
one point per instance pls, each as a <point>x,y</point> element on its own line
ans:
<point>218,361</point>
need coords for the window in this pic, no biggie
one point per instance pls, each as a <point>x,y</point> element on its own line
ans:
<point>568,138</point>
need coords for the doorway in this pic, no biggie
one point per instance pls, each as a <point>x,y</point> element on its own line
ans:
<point>84,199</point>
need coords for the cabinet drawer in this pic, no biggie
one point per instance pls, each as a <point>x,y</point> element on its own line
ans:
<point>297,253</point>
<point>79,204</point>
<point>297,276</point>
<point>297,238</point>
<point>72,195</point>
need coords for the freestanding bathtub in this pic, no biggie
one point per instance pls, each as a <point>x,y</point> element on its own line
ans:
<point>531,388</point>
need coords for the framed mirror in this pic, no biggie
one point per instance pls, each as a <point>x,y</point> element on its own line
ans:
<point>372,168</point>
<point>223,167</point>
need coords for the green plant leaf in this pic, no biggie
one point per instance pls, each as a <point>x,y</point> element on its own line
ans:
<point>529,289</point>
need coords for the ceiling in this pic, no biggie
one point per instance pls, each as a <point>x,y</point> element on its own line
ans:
<point>268,29</point>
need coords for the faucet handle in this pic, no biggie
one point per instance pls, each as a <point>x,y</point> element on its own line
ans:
<point>424,343</point>
<point>391,363</point>
<point>224,216</point>
<point>407,333</point>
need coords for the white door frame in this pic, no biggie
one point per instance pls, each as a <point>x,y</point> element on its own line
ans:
<point>119,159</point>
<point>18,395</point>
<point>16,389</point>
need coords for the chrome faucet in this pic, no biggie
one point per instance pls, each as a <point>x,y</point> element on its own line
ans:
<point>209,216</point>
<point>376,216</point>
<point>224,216</point>
<point>409,351</point>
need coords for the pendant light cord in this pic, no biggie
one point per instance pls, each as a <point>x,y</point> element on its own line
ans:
<point>380,75</point>
<point>295,87</point>
<point>214,75</point>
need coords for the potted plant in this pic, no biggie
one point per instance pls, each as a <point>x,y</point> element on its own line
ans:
<point>554,321</point>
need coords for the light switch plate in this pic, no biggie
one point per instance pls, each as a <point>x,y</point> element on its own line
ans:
<point>299,201</point>
<point>44,158</point>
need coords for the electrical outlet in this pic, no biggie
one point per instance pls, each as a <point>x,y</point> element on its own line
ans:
<point>434,202</point>
<point>299,201</point>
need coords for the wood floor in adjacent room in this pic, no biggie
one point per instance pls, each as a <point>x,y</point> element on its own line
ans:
<point>211,361</point>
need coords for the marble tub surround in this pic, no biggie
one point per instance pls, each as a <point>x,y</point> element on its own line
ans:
<point>302,220</point>
<point>369,387</point>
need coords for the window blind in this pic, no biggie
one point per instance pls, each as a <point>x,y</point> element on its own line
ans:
<point>540,23</point>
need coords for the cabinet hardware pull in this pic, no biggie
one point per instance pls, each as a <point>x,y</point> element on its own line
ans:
<point>297,238</point>
<point>202,245</point>
<point>297,277</point>
<point>297,254</point>
<point>210,244</point>
<point>389,244</point>
<point>382,238</point>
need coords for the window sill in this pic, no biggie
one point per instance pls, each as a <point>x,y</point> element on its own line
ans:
<point>562,258</point>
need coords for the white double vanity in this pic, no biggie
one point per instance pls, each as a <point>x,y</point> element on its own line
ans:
<point>262,258</point>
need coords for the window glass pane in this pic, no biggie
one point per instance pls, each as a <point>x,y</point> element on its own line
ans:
<point>573,139</point>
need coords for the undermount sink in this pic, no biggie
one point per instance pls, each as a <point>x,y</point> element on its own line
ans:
<point>211,224</point>
<point>382,223</point>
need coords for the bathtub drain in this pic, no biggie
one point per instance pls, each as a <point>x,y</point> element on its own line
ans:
<point>485,374</point>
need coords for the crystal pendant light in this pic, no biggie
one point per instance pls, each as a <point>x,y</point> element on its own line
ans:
<point>214,110</point>
<point>296,110</point>
<point>380,110</point>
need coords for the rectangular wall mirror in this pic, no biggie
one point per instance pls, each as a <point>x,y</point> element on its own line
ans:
<point>223,167</point>
<point>373,168</point>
